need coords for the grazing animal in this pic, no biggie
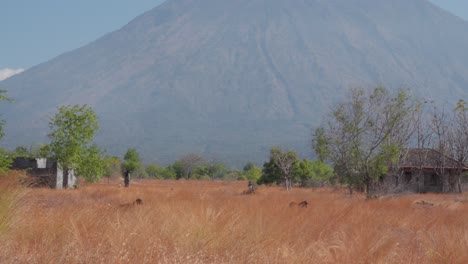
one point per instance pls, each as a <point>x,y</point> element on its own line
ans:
<point>425,203</point>
<point>138,201</point>
<point>301,204</point>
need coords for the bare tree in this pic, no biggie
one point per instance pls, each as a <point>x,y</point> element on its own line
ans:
<point>286,162</point>
<point>439,125</point>
<point>423,137</point>
<point>189,163</point>
<point>458,139</point>
<point>365,132</point>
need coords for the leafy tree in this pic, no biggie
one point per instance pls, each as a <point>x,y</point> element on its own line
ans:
<point>92,165</point>
<point>140,173</point>
<point>178,168</point>
<point>233,176</point>
<point>21,151</point>
<point>270,173</point>
<point>72,130</point>
<point>5,160</point>
<point>315,173</point>
<point>157,172</point>
<point>154,171</point>
<point>252,172</point>
<point>111,167</point>
<point>130,165</point>
<point>217,170</point>
<point>131,160</point>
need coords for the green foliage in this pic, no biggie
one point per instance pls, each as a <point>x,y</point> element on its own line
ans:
<point>157,172</point>
<point>111,166</point>
<point>217,170</point>
<point>169,173</point>
<point>72,130</point>
<point>189,163</point>
<point>5,160</point>
<point>42,152</point>
<point>315,173</point>
<point>92,165</point>
<point>154,171</point>
<point>233,176</point>
<point>270,173</point>
<point>131,160</point>
<point>178,169</point>
<point>140,173</point>
<point>320,144</point>
<point>285,162</point>
<point>21,151</point>
<point>252,172</point>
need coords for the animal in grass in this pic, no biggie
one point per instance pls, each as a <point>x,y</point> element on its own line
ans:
<point>250,190</point>
<point>138,201</point>
<point>302,204</point>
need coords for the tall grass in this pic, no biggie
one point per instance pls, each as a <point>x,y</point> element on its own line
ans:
<point>211,222</point>
<point>11,192</point>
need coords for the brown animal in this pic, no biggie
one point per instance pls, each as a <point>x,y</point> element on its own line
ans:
<point>425,203</point>
<point>138,201</point>
<point>302,204</point>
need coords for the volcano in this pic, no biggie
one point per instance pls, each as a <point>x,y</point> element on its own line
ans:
<point>229,79</point>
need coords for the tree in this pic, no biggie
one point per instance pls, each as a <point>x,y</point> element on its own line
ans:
<point>157,172</point>
<point>130,164</point>
<point>252,172</point>
<point>315,173</point>
<point>92,165</point>
<point>72,130</point>
<point>270,173</point>
<point>21,151</point>
<point>188,164</point>
<point>364,133</point>
<point>285,161</point>
<point>154,171</point>
<point>5,160</point>
<point>439,125</point>
<point>111,167</point>
<point>458,139</point>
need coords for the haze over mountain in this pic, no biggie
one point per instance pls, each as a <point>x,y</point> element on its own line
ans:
<point>230,78</point>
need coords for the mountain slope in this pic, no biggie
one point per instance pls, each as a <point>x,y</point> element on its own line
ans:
<point>229,79</point>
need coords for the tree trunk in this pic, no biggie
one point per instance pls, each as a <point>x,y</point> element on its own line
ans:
<point>127,179</point>
<point>350,186</point>
<point>459,183</point>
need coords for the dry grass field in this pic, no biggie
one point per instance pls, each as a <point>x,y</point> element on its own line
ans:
<point>212,222</point>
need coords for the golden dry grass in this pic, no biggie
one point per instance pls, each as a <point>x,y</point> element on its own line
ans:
<point>211,222</point>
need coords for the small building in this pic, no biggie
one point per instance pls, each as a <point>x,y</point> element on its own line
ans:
<point>45,172</point>
<point>426,170</point>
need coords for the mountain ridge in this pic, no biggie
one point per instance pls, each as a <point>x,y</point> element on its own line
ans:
<point>191,76</point>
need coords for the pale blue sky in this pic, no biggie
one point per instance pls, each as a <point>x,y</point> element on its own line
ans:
<point>34,31</point>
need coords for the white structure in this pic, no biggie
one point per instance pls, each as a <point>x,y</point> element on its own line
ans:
<point>69,183</point>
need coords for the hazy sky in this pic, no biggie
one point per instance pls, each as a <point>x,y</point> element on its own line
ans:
<point>34,31</point>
